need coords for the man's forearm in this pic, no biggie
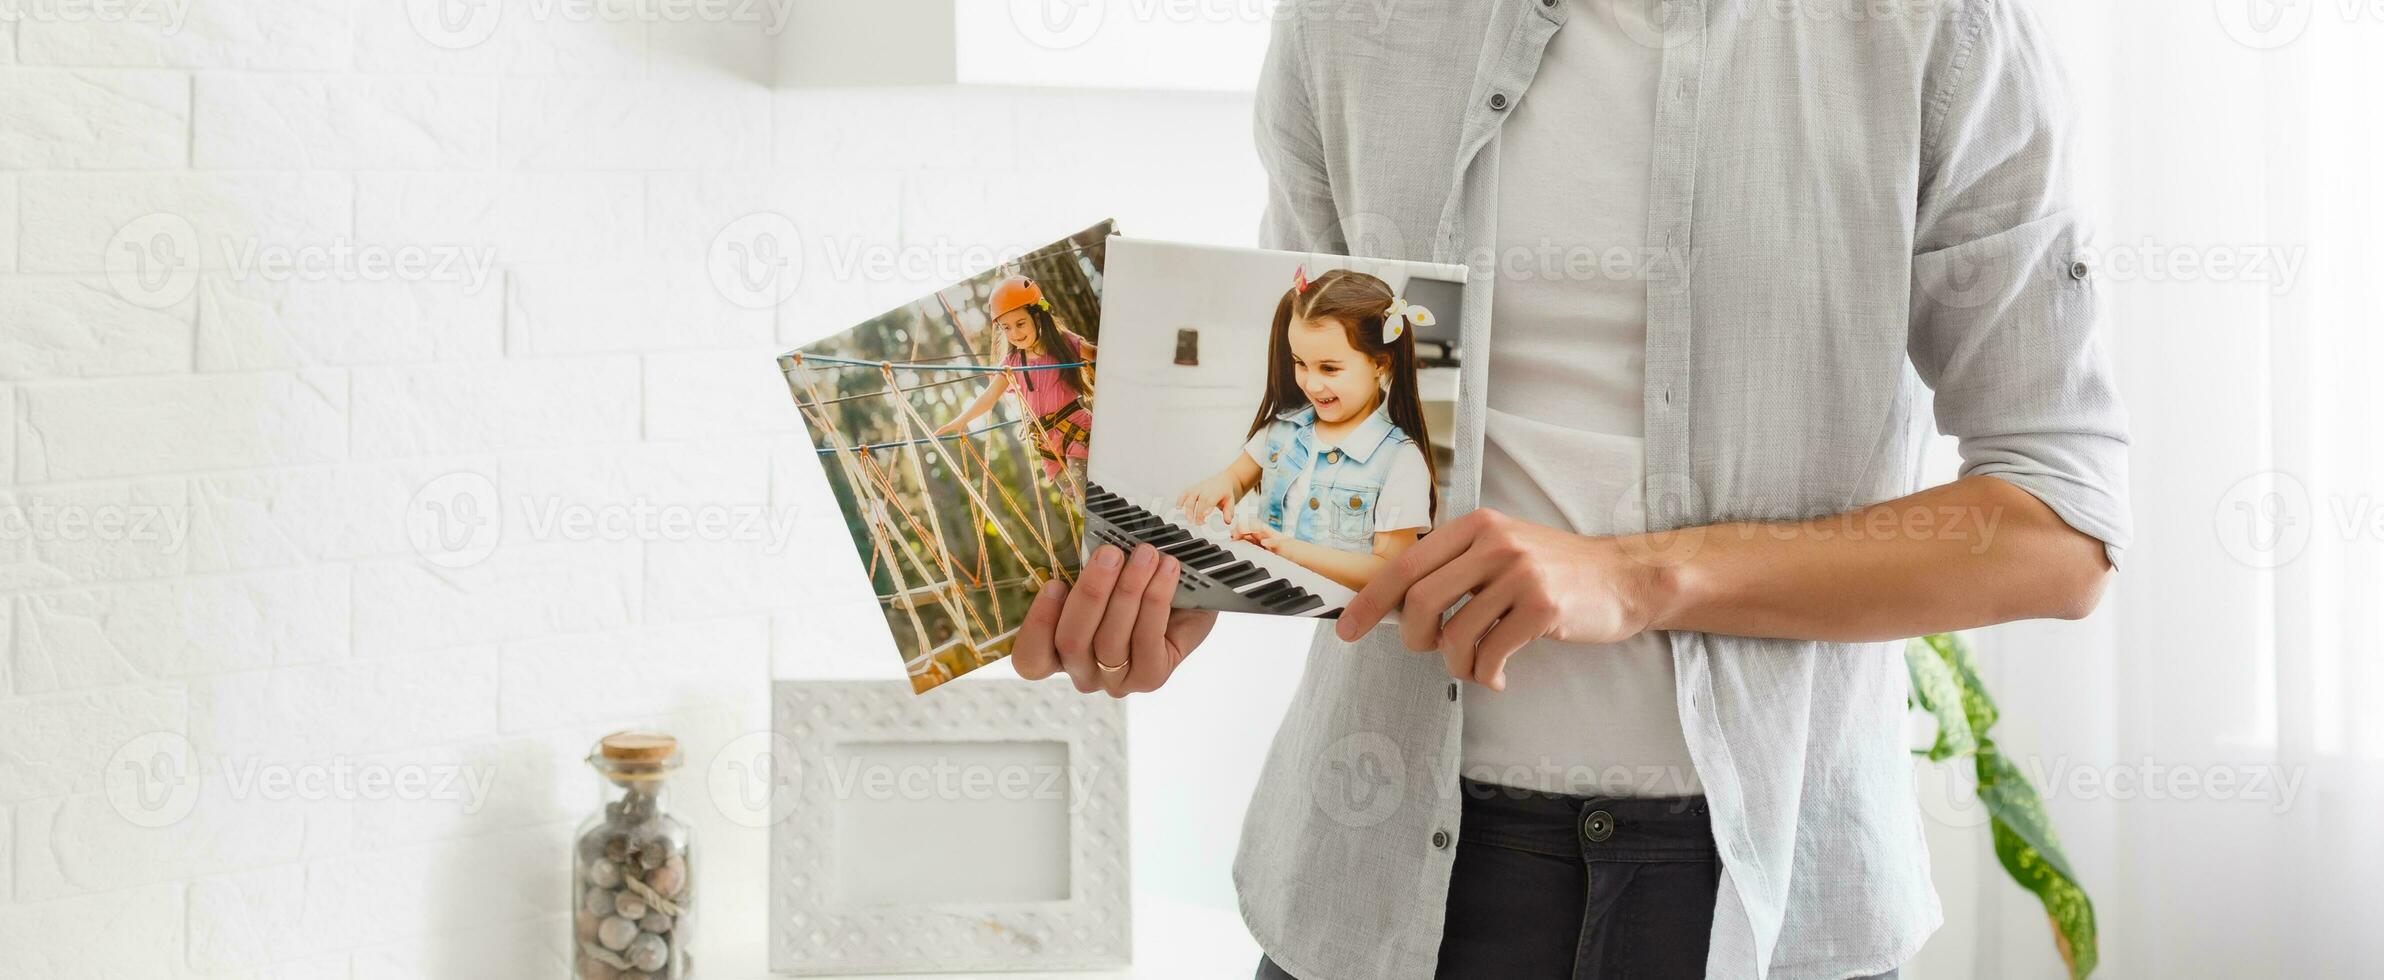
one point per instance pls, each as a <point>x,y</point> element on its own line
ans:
<point>1974,552</point>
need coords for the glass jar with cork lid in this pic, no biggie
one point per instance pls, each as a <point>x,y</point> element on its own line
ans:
<point>629,868</point>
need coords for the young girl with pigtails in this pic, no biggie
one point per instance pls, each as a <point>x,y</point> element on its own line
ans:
<point>1050,374</point>
<point>1338,453</point>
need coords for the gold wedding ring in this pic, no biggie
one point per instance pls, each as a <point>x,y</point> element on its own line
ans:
<point>1107,669</point>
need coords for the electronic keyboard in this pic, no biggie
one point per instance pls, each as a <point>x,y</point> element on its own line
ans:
<point>1218,572</point>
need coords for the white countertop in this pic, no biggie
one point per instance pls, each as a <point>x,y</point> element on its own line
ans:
<point>1172,941</point>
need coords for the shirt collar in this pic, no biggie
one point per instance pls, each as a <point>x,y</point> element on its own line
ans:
<point>1362,441</point>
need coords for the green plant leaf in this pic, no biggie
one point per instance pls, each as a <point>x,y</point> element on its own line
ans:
<point>1945,682</point>
<point>1938,691</point>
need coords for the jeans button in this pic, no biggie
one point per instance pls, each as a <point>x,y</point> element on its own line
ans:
<point>1440,840</point>
<point>1598,826</point>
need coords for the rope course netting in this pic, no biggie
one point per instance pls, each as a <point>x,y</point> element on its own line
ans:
<point>950,596</point>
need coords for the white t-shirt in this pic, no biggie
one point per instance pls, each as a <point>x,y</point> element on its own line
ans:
<point>1563,443</point>
<point>1406,498</point>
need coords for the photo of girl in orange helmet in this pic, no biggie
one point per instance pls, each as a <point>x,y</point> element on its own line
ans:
<point>1050,371</point>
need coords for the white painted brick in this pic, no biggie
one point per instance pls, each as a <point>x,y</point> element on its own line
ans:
<point>298,34</point>
<point>624,306</point>
<point>250,919</point>
<point>931,127</point>
<point>704,578</point>
<point>59,743</point>
<point>477,407</point>
<point>253,323</point>
<point>539,489</point>
<point>321,712</point>
<point>848,226</point>
<point>75,845</point>
<point>519,592</point>
<point>523,217</point>
<point>8,442</point>
<point>7,684</point>
<point>741,45</point>
<point>95,532</point>
<point>8,222</point>
<point>635,125</point>
<point>133,933</point>
<point>322,513</point>
<point>841,636</point>
<point>7,839</point>
<point>129,634</point>
<point>93,120</point>
<point>693,394</point>
<point>517,42</point>
<point>71,327</point>
<point>132,426</point>
<point>8,42</point>
<point>69,219</point>
<point>278,122</point>
<point>648,671</point>
<point>482,787</point>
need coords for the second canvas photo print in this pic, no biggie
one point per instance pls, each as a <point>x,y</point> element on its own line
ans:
<point>1281,422</point>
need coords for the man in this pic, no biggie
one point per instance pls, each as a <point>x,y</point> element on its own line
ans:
<point>1697,537</point>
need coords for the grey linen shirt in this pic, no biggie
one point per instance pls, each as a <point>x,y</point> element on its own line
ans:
<point>1860,205</point>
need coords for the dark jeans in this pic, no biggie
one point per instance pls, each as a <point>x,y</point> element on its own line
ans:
<point>1553,887</point>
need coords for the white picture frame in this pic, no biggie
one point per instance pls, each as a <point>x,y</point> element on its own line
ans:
<point>980,827</point>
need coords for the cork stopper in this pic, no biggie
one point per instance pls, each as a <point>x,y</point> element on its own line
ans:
<point>648,748</point>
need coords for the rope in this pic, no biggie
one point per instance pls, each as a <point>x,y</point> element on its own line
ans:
<point>872,447</point>
<point>924,366</point>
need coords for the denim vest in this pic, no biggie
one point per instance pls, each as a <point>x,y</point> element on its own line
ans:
<point>1338,511</point>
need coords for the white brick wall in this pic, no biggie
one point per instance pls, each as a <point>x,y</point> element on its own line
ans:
<point>208,575</point>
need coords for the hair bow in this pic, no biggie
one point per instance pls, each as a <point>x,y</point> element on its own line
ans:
<point>1402,315</point>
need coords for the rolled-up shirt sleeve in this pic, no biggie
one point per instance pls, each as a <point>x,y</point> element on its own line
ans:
<point>1300,215</point>
<point>2005,300</point>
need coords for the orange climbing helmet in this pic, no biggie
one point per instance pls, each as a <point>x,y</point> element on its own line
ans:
<point>1013,293</point>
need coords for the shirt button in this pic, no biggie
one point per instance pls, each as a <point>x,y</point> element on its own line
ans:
<point>1440,840</point>
<point>1311,503</point>
<point>1452,690</point>
<point>2079,270</point>
<point>1598,826</point>
<point>1498,102</point>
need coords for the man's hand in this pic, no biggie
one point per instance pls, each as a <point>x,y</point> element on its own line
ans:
<point>1118,614</point>
<point>1525,582</point>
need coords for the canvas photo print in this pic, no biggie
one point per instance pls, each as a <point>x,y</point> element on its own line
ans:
<point>1281,422</point>
<point>955,433</point>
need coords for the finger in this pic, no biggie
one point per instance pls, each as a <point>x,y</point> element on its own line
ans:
<point>1466,627</point>
<point>1434,596</point>
<point>1189,503</point>
<point>1152,661</point>
<point>1110,639</point>
<point>1522,624</point>
<point>1388,589</point>
<point>1032,652</point>
<point>1082,614</point>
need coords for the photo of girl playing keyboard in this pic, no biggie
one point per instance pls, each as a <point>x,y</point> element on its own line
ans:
<point>1336,475</point>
